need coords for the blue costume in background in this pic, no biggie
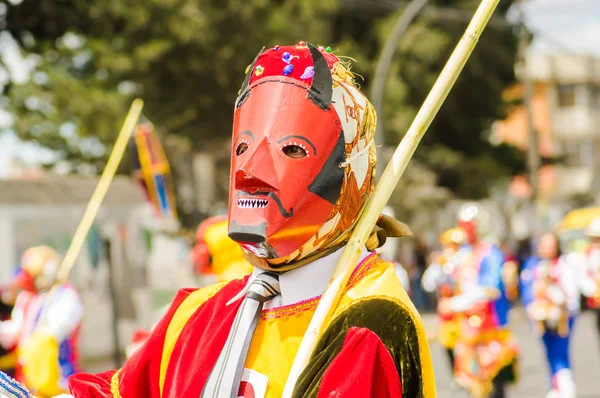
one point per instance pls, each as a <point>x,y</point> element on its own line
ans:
<point>550,295</point>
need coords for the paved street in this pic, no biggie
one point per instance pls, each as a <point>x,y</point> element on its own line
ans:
<point>533,381</point>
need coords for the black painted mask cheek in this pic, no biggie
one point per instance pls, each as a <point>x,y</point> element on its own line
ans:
<point>328,183</point>
<point>246,233</point>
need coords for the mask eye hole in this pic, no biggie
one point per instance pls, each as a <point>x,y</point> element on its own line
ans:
<point>242,147</point>
<point>294,151</point>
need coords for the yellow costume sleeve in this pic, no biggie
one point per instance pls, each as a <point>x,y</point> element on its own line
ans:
<point>38,356</point>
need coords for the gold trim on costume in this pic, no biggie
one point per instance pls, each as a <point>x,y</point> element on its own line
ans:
<point>309,304</point>
<point>290,310</point>
<point>362,270</point>
<point>114,385</point>
<point>180,318</point>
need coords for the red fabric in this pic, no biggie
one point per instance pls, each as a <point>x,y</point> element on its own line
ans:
<point>200,344</point>
<point>271,63</point>
<point>25,281</point>
<point>91,385</point>
<point>193,356</point>
<point>363,368</point>
<point>139,375</point>
<point>140,336</point>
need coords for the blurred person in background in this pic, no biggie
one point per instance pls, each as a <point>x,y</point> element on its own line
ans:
<point>510,271</point>
<point>486,351</point>
<point>439,277</point>
<point>421,299</point>
<point>592,270</point>
<point>215,253</point>
<point>302,169</point>
<point>550,289</point>
<point>44,325</point>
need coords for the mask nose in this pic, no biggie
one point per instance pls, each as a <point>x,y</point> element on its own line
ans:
<point>257,173</point>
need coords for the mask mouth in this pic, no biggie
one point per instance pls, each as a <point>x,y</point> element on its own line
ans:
<point>252,203</point>
<point>247,202</point>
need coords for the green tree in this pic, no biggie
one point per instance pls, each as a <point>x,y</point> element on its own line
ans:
<point>186,59</point>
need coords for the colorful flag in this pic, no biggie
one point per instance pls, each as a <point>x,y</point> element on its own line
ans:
<point>151,168</point>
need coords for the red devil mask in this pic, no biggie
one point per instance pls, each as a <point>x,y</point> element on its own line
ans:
<point>292,154</point>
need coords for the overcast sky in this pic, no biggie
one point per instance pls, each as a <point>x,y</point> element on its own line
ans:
<point>560,25</point>
<point>565,25</point>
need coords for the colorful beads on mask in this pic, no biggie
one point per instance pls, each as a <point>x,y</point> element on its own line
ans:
<point>259,70</point>
<point>288,69</point>
<point>308,72</point>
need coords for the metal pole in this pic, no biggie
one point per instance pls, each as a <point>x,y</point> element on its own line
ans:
<point>533,153</point>
<point>383,67</point>
<point>113,303</point>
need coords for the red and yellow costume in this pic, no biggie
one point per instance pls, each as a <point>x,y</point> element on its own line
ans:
<point>301,172</point>
<point>440,277</point>
<point>486,351</point>
<point>44,325</point>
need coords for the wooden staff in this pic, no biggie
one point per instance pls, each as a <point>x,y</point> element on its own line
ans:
<point>385,187</point>
<point>101,189</point>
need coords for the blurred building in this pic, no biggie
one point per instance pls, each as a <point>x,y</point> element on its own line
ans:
<point>36,210</point>
<point>566,115</point>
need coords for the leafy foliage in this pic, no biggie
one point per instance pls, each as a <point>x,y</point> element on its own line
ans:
<point>186,59</point>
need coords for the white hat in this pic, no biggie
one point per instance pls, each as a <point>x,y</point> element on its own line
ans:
<point>593,230</point>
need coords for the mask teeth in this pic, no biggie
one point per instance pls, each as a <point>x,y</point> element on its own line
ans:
<point>252,203</point>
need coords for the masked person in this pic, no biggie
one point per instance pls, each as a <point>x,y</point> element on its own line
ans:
<point>44,324</point>
<point>301,171</point>
<point>485,351</point>
<point>215,253</point>
<point>440,277</point>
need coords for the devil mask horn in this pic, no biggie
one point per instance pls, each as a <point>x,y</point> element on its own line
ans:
<point>321,89</point>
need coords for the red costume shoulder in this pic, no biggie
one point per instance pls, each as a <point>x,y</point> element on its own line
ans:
<point>141,374</point>
<point>366,362</point>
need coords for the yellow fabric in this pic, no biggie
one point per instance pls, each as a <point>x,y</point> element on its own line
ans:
<point>280,331</point>
<point>448,334</point>
<point>227,257</point>
<point>580,218</point>
<point>114,385</point>
<point>8,361</point>
<point>38,356</point>
<point>182,315</point>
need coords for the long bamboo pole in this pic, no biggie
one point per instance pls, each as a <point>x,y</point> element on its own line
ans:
<point>101,189</point>
<point>385,187</point>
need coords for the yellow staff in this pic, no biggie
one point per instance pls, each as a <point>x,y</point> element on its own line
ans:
<point>101,189</point>
<point>385,187</point>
